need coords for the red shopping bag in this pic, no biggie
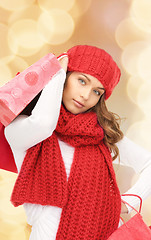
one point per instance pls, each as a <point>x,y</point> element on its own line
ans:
<point>134,229</point>
<point>7,161</point>
<point>6,156</point>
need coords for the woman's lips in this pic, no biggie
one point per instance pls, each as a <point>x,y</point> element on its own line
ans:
<point>78,104</point>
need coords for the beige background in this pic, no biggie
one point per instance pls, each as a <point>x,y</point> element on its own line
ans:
<point>29,29</point>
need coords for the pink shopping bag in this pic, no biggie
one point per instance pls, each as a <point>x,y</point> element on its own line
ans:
<point>20,96</point>
<point>19,92</point>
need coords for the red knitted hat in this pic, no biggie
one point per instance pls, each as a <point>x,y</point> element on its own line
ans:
<point>96,62</point>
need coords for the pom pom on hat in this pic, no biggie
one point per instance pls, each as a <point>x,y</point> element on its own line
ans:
<point>96,62</point>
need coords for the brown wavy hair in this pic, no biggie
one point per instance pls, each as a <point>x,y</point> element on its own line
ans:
<point>110,122</point>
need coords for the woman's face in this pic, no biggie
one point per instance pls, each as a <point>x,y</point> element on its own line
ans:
<point>81,92</point>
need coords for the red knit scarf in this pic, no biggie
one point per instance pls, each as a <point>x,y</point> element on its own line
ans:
<point>90,199</point>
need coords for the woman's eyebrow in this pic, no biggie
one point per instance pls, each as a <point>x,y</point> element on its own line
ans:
<point>101,88</point>
<point>90,81</point>
<point>86,77</point>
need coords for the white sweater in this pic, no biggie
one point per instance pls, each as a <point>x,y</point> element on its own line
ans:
<point>24,132</point>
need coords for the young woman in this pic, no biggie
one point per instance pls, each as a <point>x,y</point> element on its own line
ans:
<point>65,149</point>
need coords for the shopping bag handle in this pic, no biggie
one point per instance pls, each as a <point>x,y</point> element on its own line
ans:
<point>133,195</point>
<point>62,55</point>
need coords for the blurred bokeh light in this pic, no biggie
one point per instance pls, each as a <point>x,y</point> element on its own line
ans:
<point>144,98</point>
<point>139,132</point>
<point>79,8</point>
<point>24,34</point>
<point>32,13</point>
<point>5,50</point>
<point>144,64</point>
<point>59,29</point>
<point>15,4</point>
<point>133,86</point>
<point>130,56</point>
<point>5,73</point>
<point>140,12</point>
<point>127,32</point>
<point>47,5</point>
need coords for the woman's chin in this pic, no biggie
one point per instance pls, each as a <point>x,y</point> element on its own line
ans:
<point>72,109</point>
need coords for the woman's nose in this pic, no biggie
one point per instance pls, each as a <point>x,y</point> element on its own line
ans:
<point>86,94</point>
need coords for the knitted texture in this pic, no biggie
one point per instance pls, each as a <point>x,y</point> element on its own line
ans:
<point>96,62</point>
<point>90,200</point>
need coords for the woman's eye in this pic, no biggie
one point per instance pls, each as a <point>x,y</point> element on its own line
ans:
<point>82,81</point>
<point>97,92</point>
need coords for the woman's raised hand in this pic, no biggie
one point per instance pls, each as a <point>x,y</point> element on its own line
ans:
<point>64,62</point>
<point>123,208</point>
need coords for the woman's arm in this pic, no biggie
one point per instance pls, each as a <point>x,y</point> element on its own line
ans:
<point>139,159</point>
<point>26,131</point>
